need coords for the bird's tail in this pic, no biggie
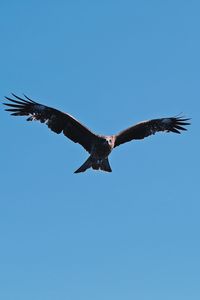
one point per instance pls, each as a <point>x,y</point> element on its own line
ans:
<point>105,166</point>
<point>87,164</point>
<point>95,164</point>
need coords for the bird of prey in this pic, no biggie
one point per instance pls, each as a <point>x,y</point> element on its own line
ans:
<point>98,146</point>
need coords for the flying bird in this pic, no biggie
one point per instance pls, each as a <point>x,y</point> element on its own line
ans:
<point>98,146</point>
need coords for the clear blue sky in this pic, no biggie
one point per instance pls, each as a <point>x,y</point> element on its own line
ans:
<point>131,234</point>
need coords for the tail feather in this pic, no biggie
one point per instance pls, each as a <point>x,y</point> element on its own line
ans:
<point>87,164</point>
<point>105,166</point>
<point>96,165</point>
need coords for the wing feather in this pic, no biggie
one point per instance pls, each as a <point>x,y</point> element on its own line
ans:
<point>56,120</point>
<point>146,128</point>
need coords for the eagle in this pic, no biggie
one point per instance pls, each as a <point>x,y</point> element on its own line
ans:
<point>98,146</point>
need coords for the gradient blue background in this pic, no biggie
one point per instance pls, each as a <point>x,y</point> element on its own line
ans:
<point>131,234</point>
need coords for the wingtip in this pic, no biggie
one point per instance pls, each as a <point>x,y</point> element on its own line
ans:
<point>28,98</point>
<point>14,95</point>
<point>7,98</point>
<point>182,118</point>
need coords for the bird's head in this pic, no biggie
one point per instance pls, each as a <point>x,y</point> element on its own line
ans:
<point>109,141</point>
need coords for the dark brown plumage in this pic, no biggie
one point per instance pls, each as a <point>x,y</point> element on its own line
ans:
<point>99,146</point>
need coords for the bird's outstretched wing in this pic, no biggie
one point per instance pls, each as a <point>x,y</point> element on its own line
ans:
<point>146,128</point>
<point>56,120</point>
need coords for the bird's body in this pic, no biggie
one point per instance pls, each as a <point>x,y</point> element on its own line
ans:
<point>100,151</point>
<point>98,146</point>
<point>103,147</point>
